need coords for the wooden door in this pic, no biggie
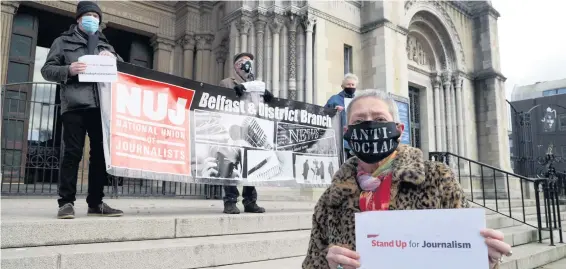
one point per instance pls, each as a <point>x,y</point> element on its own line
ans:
<point>17,95</point>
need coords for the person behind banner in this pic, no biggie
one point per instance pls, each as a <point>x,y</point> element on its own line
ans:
<point>339,102</point>
<point>80,109</point>
<point>242,72</point>
<point>389,177</point>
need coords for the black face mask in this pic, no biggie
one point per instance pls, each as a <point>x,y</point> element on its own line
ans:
<point>246,66</point>
<point>349,91</point>
<point>373,141</point>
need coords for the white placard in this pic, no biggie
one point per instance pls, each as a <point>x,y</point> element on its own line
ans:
<point>346,103</point>
<point>98,69</point>
<point>427,239</point>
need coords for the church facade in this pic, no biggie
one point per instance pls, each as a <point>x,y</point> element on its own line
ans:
<point>442,56</point>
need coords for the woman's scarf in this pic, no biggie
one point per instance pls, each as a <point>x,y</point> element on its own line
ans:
<point>370,182</point>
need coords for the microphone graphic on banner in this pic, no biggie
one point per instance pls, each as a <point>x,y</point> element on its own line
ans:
<point>251,132</point>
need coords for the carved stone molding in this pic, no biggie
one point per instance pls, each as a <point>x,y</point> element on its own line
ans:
<point>10,7</point>
<point>383,23</point>
<point>204,41</point>
<point>188,42</point>
<point>275,25</point>
<point>161,43</point>
<point>436,81</point>
<point>260,26</point>
<point>244,25</point>
<point>292,23</point>
<point>458,79</point>
<point>416,53</point>
<point>439,11</point>
<point>308,23</point>
<point>446,78</point>
<point>327,17</point>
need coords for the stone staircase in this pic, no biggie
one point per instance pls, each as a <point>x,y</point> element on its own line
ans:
<point>182,233</point>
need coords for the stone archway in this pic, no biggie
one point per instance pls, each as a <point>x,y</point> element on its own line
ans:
<point>434,61</point>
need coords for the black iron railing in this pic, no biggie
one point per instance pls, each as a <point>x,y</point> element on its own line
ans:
<point>500,191</point>
<point>31,152</point>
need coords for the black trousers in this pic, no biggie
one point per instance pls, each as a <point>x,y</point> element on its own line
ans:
<point>231,194</point>
<point>76,124</point>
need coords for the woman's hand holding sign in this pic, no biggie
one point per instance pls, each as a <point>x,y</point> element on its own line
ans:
<point>341,257</point>
<point>495,246</point>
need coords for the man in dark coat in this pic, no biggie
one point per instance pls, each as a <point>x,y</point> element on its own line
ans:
<point>242,72</point>
<point>80,108</point>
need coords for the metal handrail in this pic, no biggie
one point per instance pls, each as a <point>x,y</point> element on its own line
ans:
<point>550,201</point>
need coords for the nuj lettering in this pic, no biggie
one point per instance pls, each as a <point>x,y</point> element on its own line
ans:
<point>135,100</point>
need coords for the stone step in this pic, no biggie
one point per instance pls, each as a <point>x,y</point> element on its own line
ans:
<point>560,264</point>
<point>176,220</point>
<point>530,256</point>
<point>534,255</point>
<point>147,224</point>
<point>179,253</point>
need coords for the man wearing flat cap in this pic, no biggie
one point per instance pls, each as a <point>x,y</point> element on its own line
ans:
<point>80,108</point>
<point>242,73</point>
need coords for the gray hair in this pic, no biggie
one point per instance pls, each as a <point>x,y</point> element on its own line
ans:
<point>379,94</point>
<point>349,76</point>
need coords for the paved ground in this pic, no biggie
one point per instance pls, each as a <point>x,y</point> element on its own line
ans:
<point>34,209</point>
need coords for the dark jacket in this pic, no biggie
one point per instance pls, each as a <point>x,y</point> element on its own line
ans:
<point>65,50</point>
<point>338,100</point>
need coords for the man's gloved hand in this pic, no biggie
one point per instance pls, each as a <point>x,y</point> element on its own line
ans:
<point>267,96</point>
<point>240,89</point>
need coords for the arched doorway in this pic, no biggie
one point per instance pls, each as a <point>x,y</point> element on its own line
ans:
<point>437,102</point>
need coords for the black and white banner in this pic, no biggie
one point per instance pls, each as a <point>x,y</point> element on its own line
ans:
<point>163,127</point>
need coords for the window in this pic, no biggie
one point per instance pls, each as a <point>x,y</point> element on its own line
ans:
<point>562,122</point>
<point>548,92</point>
<point>348,67</point>
<point>561,91</point>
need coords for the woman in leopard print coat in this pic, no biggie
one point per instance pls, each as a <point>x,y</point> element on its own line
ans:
<point>409,181</point>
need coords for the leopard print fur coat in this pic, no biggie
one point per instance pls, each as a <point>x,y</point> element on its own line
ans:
<point>417,184</point>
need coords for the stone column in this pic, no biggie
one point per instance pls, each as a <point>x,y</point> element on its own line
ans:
<point>275,25</point>
<point>9,8</point>
<point>459,114</point>
<point>292,24</point>
<point>442,120</point>
<point>233,41</point>
<point>447,83</point>
<point>268,58</point>
<point>203,42</point>
<point>188,43</point>
<point>283,72</point>
<point>453,118</point>
<point>162,50</point>
<point>309,25</point>
<point>260,30</point>
<point>301,64</point>
<point>244,26</point>
<point>437,119</point>
<point>220,59</point>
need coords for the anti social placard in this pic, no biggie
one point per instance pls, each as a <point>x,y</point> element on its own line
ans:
<point>409,239</point>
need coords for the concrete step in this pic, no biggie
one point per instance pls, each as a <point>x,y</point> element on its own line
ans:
<point>528,256</point>
<point>179,253</point>
<point>135,226</point>
<point>560,264</point>
<point>534,255</point>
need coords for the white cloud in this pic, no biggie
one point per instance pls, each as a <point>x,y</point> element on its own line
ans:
<point>531,40</point>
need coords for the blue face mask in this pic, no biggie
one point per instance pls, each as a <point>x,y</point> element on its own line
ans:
<point>90,24</point>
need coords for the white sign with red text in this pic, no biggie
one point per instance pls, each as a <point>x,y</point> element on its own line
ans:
<point>426,239</point>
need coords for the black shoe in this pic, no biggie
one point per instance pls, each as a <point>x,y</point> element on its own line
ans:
<point>105,211</point>
<point>253,208</point>
<point>67,211</point>
<point>231,208</point>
